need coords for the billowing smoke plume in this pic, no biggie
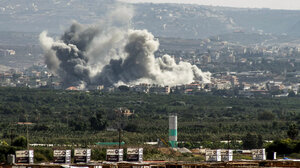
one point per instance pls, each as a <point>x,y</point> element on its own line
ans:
<point>110,53</point>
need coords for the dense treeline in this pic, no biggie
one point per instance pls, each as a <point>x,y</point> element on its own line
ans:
<point>84,117</point>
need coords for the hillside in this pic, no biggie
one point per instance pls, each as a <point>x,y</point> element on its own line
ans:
<point>166,20</point>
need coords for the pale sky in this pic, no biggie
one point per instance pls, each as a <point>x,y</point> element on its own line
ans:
<point>272,4</point>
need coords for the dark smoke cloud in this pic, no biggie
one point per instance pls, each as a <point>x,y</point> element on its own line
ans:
<point>106,54</point>
<point>67,57</point>
<point>138,64</point>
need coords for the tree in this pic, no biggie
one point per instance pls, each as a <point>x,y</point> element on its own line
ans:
<point>20,141</point>
<point>3,143</point>
<point>4,151</point>
<point>284,146</point>
<point>40,127</point>
<point>124,88</point>
<point>249,141</point>
<point>260,141</point>
<point>292,131</point>
<point>98,122</point>
<point>99,154</point>
<point>292,94</point>
<point>266,115</point>
<point>78,123</point>
<point>131,127</point>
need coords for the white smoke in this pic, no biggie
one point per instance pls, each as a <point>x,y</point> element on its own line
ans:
<point>110,53</point>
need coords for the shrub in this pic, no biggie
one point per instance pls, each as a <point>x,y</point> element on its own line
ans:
<point>99,154</point>
<point>39,157</point>
<point>20,141</point>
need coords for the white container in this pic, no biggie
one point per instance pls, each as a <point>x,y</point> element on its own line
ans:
<point>258,154</point>
<point>213,155</point>
<point>135,154</point>
<point>62,156</point>
<point>82,155</point>
<point>25,156</point>
<point>11,159</point>
<point>226,155</point>
<point>114,155</point>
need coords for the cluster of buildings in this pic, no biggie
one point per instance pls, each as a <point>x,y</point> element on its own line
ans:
<point>216,50</point>
<point>270,88</point>
<point>248,84</point>
<point>7,52</point>
<point>255,83</point>
<point>227,82</point>
<point>30,79</point>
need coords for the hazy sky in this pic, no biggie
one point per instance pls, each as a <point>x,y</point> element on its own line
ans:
<point>273,4</point>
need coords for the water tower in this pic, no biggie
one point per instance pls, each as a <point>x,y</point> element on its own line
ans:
<point>173,130</point>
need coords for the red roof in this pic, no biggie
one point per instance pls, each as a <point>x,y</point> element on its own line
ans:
<point>72,88</point>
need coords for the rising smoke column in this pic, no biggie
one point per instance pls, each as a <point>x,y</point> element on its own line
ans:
<point>141,66</point>
<point>106,54</point>
<point>66,57</point>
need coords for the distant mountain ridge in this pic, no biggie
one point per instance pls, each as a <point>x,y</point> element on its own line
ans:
<point>165,20</point>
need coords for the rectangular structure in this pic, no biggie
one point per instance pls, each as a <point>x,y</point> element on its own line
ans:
<point>173,130</point>
<point>135,154</point>
<point>114,155</point>
<point>226,155</point>
<point>258,154</point>
<point>25,156</point>
<point>11,159</point>
<point>62,156</point>
<point>213,155</point>
<point>82,155</point>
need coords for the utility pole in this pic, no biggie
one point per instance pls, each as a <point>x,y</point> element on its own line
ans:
<point>27,135</point>
<point>27,129</point>
<point>11,136</point>
<point>119,138</point>
<point>228,140</point>
<point>119,114</point>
